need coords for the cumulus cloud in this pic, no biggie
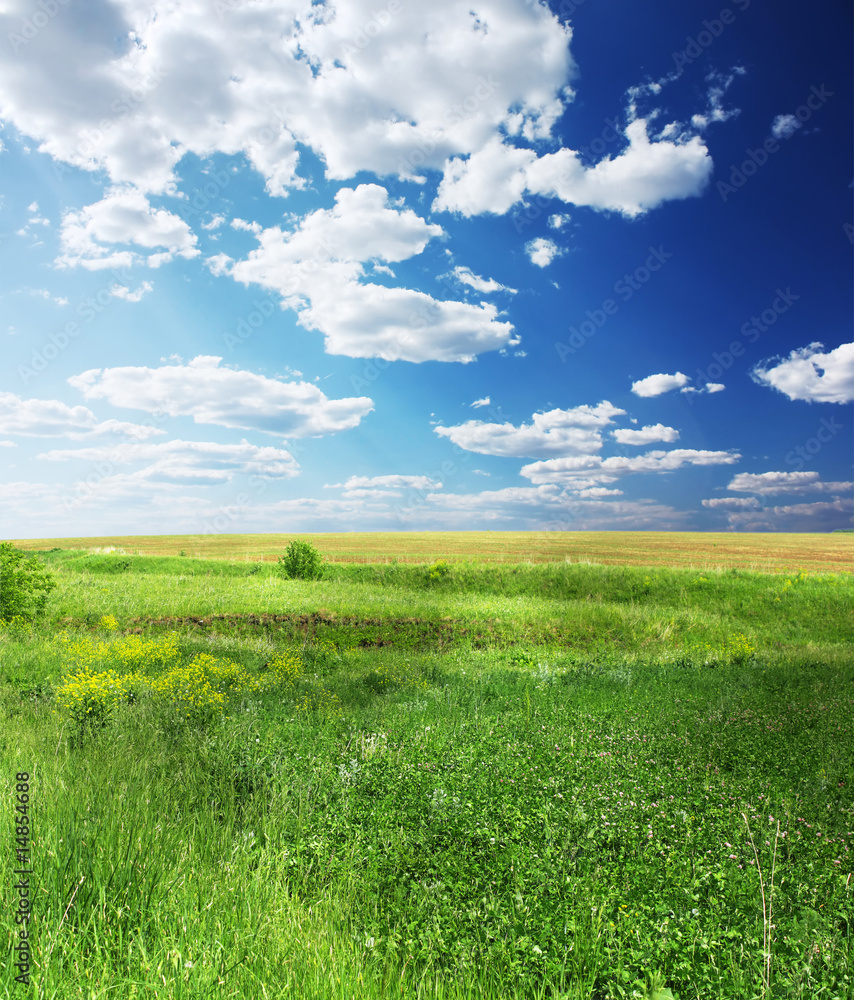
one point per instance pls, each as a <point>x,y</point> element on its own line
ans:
<point>122,216</point>
<point>486,401</point>
<point>317,269</point>
<point>811,374</point>
<point>646,435</point>
<point>135,89</point>
<point>52,418</point>
<point>655,385</point>
<point>556,432</point>
<point>542,251</point>
<point>645,175</point>
<point>214,395</point>
<point>784,482</point>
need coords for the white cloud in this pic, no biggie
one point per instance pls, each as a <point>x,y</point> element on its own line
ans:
<point>784,126</point>
<point>822,516</point>
<point>121,292</point>
<point>542,251</point>
<point>655,385</point>
<point>556,432</point>
<point>543,508</point>
<point>317,268</point>
<point>188,462</point>
<point>486,401</point>
<point>214,395</point>
<point>371,494</point>
<point>785,482</point>
<point>390,91</point>
<point>558,221</point>
<point>43,293</point>
<point>122,216</point>
<point>719,84</point>
<point>485,285</point>
<point>645,175</point>
<point>646,435</point>
<point>733,503</point>
<point>585,471</point>
<point>52,418</point>
<point>389,482</point>
<point>811,374</point>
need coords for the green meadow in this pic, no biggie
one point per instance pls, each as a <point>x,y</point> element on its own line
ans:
<point>459,779</point>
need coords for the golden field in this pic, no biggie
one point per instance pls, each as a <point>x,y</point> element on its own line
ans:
<point>761,552</point>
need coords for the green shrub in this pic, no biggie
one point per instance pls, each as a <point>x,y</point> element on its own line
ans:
<point>301,561</point>
<point>438,571</point>
<point>24,584</point>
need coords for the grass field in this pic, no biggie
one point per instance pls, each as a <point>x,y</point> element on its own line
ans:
<point>451,778</point>
<point>769,553</point>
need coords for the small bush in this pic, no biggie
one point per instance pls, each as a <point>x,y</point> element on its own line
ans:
<point>301,561</point>
<point>438,572</point>
<point>24,585</point>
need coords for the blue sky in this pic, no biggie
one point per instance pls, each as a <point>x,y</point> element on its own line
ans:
<point>293,266</point>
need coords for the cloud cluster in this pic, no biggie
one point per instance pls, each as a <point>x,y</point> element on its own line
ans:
<point>200,463</point>
<point>811,374</point>
<point>647,173</point>
<point>585,471</point>
<point>52,418</point>
<point>317,269</point>
<point>122,216</point>
<point>213,395</point>
<point>131,89</point>
<point>765,483</point>
<point>555,432</point>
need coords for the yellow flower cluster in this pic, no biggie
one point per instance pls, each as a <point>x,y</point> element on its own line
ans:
<point>90,697</point>
<point>129,652</point>
<point>108,623</point>
<point>736,649</point>
<point>739,648</point>
<point>196,690</point>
